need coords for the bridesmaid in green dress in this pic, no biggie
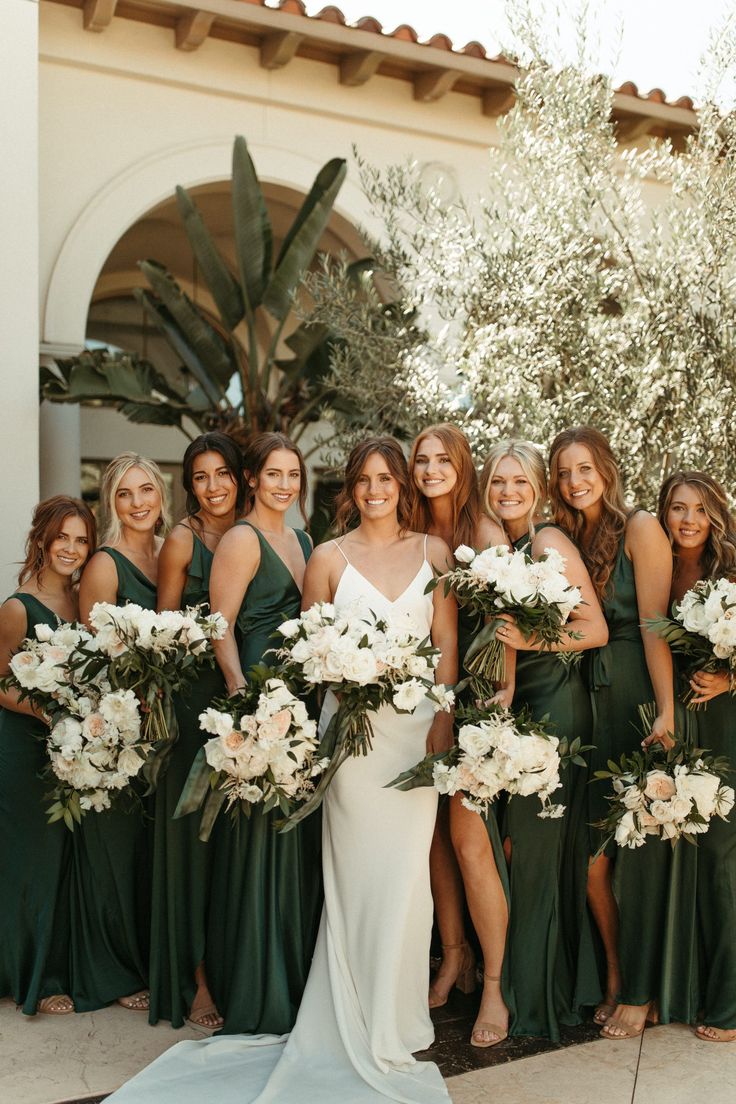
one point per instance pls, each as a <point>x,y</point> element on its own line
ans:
<point>546,967</point>
<point>112,851</point>
<point>446,504</point>
<point>35,855</point>
<point>266,887</point>
<point>630,562</point>
<point>694,511</point>
<point>213,480</point>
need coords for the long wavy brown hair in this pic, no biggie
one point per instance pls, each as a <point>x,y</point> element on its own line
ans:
<point>465,494</point>
<point>600,554</point>
<point>256,454</point>
<point>48,521</point>
<point>346,512</point>
<point>531,462</point>
<point>719,552</point>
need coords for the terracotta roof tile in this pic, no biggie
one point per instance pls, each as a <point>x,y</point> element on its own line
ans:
<point>331,14</point>
<point>295,7</point>
<point>474,49</point>
<point>440,42</point>
<point>368,23</point>
<point>405,33</point>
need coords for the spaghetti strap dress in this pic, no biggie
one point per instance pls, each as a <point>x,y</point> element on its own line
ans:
<point>111,872</point>
<point>34,857</point>
<point>550,968</point>
<point>181,861</point>
<point>364,1011</point>
<point>266,889</point>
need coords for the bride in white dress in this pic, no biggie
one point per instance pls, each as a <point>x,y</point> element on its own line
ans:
<point>364,1010</point>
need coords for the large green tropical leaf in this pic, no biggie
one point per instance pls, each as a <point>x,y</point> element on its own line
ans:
<point>221,282</point>
<point>300,244</point>
<point>303,342</point>
<point>152,414</point>
<point>251,226</point>
<point>120,380</point>
<point>208,360</point>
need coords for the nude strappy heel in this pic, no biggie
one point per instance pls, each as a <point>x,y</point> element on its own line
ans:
<point>496,1029</point>
<point>465,981</point>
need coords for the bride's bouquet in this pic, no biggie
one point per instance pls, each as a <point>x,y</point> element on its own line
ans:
<point>154,655</point>
<point>368,662</point>
<point>504,580</point>
<point>672,795</point>
<point>703,628</point>
<point>94,743</point>
<point>497,752</point>
<point>263,751</point>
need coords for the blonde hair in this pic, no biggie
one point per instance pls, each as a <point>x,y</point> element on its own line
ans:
<point>531,462</point>
<point>111,479</point>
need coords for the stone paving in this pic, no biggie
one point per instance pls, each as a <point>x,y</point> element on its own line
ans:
<point>49,1060</point>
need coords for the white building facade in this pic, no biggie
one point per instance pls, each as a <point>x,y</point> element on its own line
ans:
<point>106,106</point>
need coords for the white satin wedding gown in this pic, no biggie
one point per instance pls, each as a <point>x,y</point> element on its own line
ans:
<point>364,1009</point>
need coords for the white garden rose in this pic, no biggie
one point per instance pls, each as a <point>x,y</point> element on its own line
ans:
<point>464,554</point>
<point>408,695</point>
<point>219,724</point>
<point>361,667</point>
<point>129,762</point>
<point>627,834</point>
<point>43,633</point>
<point>120,708</point>
<point>475,739</point>
<point>289,629</point>
<point>67,735</point>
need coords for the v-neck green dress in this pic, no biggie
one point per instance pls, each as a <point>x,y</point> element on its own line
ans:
<point>181,861</point>
<point>620,683</point>
<point>550,968</point>
<point>111,873</point>
<point>34,858</point>
<point>266,891</point>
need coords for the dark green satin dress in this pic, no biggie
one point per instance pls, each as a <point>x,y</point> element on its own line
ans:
<point>34,858</point>
<point>266,891</point>
<point>716,883</point>
<point>181,862</point>
<point>619,683</point>
<point>111,873</point>
<point>547,968</point>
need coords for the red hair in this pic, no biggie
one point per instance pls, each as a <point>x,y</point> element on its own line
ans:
<point>48,521</point>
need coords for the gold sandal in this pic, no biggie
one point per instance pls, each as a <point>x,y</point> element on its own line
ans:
<point>465,981</point>
<point>495,1029</point>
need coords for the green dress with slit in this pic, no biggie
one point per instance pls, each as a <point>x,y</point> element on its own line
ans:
<point>619,684</point>
<point>181,861</point>
<point>111,873</point>
<point>549,969</point>
<point>266,891</point>
<point>34,857</point>
<point>716,879</point>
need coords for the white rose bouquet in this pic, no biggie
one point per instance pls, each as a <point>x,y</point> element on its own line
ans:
<point>368,662</point>
<point>263,751</point>
<point>703,629</point>
<point>504,580</point>
<point>498,752</point>
<point>94,744</point>
<point>154,655</point>
<point>673,795</point>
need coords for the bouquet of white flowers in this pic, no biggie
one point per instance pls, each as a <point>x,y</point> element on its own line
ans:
<point>504,580</point>
<point>368,662</point>
<point>94,745</point>
<point>703,628</point>
<point>264,751</point>
<point>673,794</point>
<point>154,655</point>
<point>497,751</point>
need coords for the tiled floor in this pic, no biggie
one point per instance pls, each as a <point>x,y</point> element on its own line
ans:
<point>45,1060</point>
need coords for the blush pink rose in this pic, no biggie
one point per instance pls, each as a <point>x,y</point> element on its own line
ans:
<point>660,786</point>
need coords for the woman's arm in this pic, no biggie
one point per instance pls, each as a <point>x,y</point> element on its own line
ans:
<point>321,576</point>
<point>173,567</point>
<point>99,583</point>
<point>649,550</point>
<point>444,636</point>
<point>587,619</point>
<point>13,630</point>
<point>235,562</point>
<point>490,533</point>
